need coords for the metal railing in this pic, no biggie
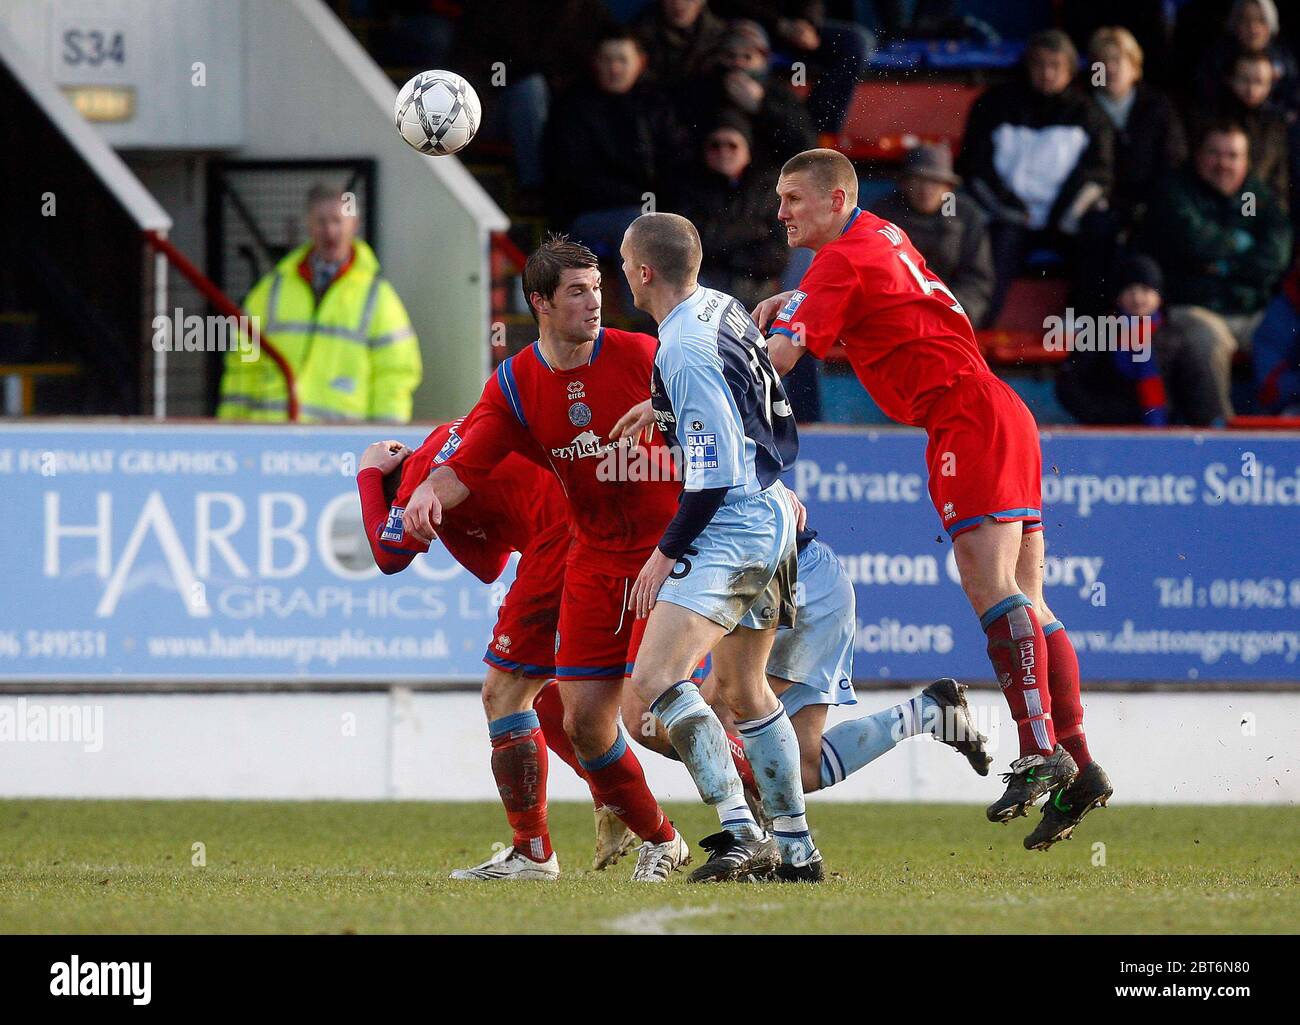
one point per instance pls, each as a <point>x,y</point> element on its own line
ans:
<point>226,307</point>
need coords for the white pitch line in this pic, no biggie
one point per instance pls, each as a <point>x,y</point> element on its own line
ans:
<point>659,921</point>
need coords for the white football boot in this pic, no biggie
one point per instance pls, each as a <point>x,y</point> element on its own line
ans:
<point>613,839</point>
<point>508,863</point>
<point>655,862</point>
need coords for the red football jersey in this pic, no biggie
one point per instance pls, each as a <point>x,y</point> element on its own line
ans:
<point>506,509</point>
<point>619,501</point>
<point>905,334</point>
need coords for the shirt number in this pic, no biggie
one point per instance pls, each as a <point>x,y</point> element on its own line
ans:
<point>765,377</point>
<point>930,285</point>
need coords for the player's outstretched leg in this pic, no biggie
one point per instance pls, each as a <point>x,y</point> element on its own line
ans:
<point>987,557</point>
<point>940,710</point>
<point>519,766</point>
<point>1092,787</point>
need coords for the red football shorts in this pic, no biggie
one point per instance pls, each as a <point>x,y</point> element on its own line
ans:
<point>524,637</point>
<point>984,457</point>
<point>598,633</point>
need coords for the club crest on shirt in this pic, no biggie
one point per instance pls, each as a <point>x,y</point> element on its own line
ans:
<point>393,528</point>
<point>792,304</point>
<point>579,414</point>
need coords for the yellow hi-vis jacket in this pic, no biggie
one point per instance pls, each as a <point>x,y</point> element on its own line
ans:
<point>354,354</point>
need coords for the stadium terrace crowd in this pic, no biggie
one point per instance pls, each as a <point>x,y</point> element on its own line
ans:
<point>1142,152</point>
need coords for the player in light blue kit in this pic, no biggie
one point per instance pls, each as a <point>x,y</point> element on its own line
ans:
<point>722,578</point>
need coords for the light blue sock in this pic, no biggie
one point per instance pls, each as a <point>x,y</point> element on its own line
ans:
<point>700,741</point>
<point>773,750</point>
<point>849,746</point>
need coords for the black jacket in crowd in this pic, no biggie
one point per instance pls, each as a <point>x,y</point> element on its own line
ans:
<point>738,228</point>
<point>1017,106</point>
<point>1150,146</point>
<point>603,151</point>
<point>678,55</point>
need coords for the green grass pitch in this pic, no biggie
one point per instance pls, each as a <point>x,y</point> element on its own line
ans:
<point>328,867</point>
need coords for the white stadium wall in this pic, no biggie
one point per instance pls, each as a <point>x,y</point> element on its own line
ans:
<point>1160,748</point>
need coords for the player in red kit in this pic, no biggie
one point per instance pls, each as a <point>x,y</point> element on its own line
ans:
<point>555,404</point>
<point>912,347</point>
<point>519,698</point>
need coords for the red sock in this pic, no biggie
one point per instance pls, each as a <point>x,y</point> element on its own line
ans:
<point>519,767</point>
<point>743,767</point>
<point>618,783</point>
<point>1067,706</point>
<point>1018,652</point>
<point>550,713</point>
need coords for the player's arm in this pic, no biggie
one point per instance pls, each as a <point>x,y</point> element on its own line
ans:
<point>489,433</point>
<point>813,316</point>
<point>714,460</point>
<point>438,492</point>
<point>379,460</point>
<point>783,354</point>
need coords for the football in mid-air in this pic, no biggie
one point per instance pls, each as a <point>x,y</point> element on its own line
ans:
<point>437,112</point>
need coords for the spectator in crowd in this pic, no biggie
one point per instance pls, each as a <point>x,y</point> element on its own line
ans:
<point>679,37</point>
<point>341,326</point>
<point>1223,241</point>
<point>948,228</point>
<point>1253,26</point>
<point>1039,157</point>
<point>1120,381</point>
<point>1277,350</point>
<point>1148,22</point>
<point>734,206</point>
<point>837,50</point>
<point>740,79</point>
<point>609,146</point>
<point>518,54</point>
<point>1149,138</point>
<point>1245,101</point>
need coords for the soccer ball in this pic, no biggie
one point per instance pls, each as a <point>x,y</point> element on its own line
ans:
<point>437,112</point>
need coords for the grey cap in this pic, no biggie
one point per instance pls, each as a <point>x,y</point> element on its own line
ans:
<point>931,160</point>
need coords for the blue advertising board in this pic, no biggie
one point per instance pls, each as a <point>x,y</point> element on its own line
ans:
<point>212,553</point>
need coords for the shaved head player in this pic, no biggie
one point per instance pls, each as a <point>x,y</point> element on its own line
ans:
<point>912,347</point>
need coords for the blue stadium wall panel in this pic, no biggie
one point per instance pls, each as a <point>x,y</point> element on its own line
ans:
<point>208,554</point>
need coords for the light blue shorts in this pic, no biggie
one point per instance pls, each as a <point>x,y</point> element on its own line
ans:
<point>741,570</point>
<point>817,653</point>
